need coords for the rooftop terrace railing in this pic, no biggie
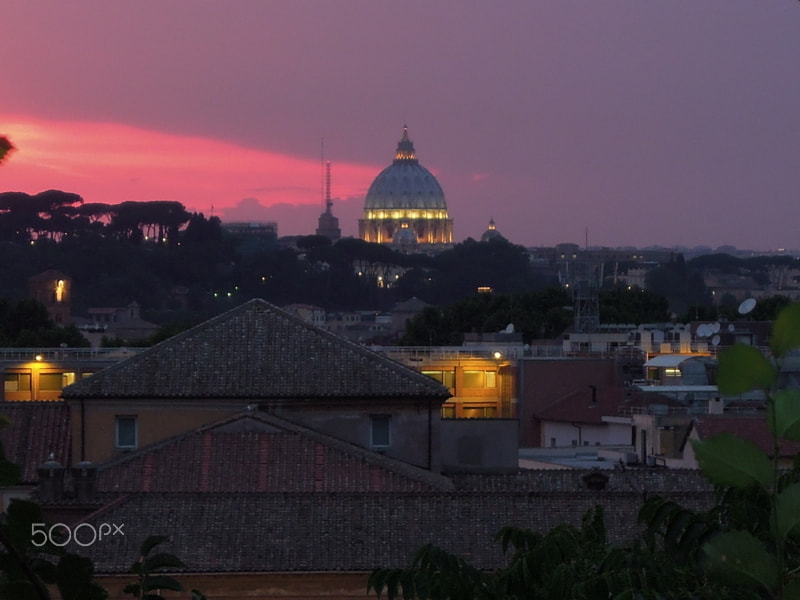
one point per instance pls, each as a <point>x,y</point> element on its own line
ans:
<point>67,354</point>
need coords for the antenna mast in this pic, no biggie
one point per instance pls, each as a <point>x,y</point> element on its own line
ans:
<point>322,171</point>
<point>328,202</point>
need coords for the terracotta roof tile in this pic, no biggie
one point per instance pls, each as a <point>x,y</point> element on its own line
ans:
<point>257,351</point>
<point>751,428</point>
<point>261,453</point>
<point>578,407</point>
<point>344,531</point>
<point>37,430</point>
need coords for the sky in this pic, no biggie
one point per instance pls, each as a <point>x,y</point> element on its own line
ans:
<point>612,122</point>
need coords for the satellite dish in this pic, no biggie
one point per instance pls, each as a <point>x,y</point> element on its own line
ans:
<point>715,327</point>
<point>731,328</point>
<point>509,328</point>
<point>715,340</point>
<point>747,305</point>
<point>703,330</point>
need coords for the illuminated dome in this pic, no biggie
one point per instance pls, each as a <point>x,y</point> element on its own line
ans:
<point>491,233</point>
<point>406,195</point>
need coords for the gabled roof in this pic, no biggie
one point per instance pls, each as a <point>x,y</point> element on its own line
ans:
<point>38,429</point>
<point>257,351</point>
<point>579,407</point>
<point>255,452</point>
<point>750,428</point>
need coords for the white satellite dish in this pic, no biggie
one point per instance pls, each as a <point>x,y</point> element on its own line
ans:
<point>703,330</point>
<point>747,305</point>
<point>509,328</point>
<point>715,327</point>
<point>715,340</point>
<point>731,327</point>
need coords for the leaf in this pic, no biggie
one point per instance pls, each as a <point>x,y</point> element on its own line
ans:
<point>162,560</point>
<point>786,331</point>
<point>785,414</point>
<point>787,511</point>
<point>74,574</point>
<point>10,473</point>
<point>150,543</point>
<point>134,589</point>
<point>5,147</point>
<point>161,582</point>
<point>728,460</point>
<point>792,589</point>
<point>743,368</point>
<point>736,557</point>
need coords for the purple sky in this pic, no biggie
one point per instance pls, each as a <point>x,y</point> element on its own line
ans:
<point>668,123</point>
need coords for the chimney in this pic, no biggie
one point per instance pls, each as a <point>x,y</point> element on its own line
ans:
<point>51,481</point>
<point>84,478</point>
<point>716,406</point>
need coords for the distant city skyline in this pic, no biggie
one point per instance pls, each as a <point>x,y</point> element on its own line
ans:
<point>643,124</point>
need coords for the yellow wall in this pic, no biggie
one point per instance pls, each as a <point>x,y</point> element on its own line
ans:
<point>235,586</point>
<point>156,421</point>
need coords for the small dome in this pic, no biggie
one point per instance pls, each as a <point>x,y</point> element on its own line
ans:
<point>491,233</point>
<point>405,184</point>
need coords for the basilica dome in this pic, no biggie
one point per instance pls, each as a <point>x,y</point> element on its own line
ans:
<point>406,195</point>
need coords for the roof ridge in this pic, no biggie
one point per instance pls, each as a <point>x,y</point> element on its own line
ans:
<point>257,331</point>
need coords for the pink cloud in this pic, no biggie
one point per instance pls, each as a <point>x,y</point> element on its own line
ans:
<point>110,162</point>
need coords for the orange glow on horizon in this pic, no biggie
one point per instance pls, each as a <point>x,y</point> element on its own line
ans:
<point>112,163</point>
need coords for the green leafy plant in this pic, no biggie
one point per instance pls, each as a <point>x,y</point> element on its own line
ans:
<point>149,571</point>
<point>759,552</point>
<point>26,570</point>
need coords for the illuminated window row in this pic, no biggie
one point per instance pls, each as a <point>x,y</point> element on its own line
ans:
<point>406,214</point>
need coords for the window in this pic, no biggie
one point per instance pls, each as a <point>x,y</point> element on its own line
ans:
<point>17,382</point>
<point>381,431</point>
<point>126,432</point>
<point>491,379</point>
<point>474,379</point>
<point>480,379</point>
<point>446,378</point>
<point>50,382</point>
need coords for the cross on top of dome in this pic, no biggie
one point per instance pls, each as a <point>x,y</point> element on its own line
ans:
<point>405,149</point>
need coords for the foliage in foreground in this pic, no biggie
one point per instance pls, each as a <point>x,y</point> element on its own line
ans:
<point>745,547</point>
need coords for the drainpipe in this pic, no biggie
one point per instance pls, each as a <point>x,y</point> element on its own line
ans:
<point>430,435</point>
<point>580,434</point>
<point>83,431</point>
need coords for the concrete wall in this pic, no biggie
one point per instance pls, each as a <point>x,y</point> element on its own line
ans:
<point>480,445</point>
<point>414,427</point>
<point>566,434</point>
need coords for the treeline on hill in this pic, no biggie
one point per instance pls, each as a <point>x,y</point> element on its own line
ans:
<point>183,267</point>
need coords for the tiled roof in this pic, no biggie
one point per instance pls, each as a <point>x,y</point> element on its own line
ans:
<point>37,430</point>
<point>261,453</point>
<point>257,351</point>
<point>345,531</point>
<point>578,407</point>
<point>751,428</point>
